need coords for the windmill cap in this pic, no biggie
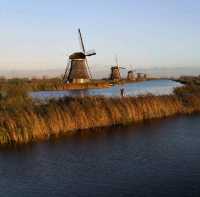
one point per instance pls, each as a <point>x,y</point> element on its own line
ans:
<point>77,55</point>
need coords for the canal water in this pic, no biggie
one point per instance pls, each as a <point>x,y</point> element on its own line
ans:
<point>156,158</point>
<point>155,87</point>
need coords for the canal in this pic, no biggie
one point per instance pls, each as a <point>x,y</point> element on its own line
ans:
<point>155,158</point>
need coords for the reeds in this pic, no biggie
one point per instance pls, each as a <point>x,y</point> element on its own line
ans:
<point>23,121</point>
<point>32,123</point>
<point>25,85</point>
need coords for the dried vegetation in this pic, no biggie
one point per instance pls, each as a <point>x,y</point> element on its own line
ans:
<point>23,121</point>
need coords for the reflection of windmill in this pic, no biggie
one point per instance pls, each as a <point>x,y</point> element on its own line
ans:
<point>115,71</point>
<point>131,74</point>
<point>77,70</point>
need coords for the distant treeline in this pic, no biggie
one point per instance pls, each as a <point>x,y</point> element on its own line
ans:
<point>22,120</point>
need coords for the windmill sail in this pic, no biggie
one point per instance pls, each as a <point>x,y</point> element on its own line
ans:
<point>90,53</point>
<point>81,41</point>
<point>78,70</point>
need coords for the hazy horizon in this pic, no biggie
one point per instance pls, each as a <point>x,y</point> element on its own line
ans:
<point>103,72</point>
<point>146,34</point>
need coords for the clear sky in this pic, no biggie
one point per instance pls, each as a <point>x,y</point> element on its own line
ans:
<point>38,34</point>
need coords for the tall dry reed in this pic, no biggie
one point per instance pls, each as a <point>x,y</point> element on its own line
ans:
<point>23,121</point>
<point>39,122</point>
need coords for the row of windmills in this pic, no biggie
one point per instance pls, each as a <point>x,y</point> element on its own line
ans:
<point>132,75</point>
<point>78,71</point>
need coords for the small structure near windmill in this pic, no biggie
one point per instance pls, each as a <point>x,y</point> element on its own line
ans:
<point>115,72</point>
<point>77,70</point>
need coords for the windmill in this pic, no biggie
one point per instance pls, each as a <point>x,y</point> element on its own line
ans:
<point>131,74</point>
<point>141,76</point>
<point>77,69</point>
<point>115,71</point>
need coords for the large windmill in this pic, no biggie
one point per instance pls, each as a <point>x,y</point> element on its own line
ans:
<point>77,69</point>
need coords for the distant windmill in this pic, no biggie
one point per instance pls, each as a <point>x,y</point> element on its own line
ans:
<point>77,69</point>
<point>131,74</point>
<point>115,71</point>
<point>141,76</point>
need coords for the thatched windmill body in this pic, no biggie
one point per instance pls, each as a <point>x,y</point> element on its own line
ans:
<point>77,70</point>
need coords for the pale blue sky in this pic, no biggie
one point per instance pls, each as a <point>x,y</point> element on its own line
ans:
<point>38,34</point>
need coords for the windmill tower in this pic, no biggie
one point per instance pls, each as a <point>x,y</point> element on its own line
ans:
<point>115,71</point>
<point>131,75</point>
<point>77,70</point>
<point>141,76</point>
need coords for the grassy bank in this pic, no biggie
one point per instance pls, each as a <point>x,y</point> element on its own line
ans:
<point>23,121</point>
<point>190,80</point>
<point>48,84</point>
<point>30,122</point>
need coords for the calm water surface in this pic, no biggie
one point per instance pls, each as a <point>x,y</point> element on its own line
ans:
<point>157,158</point>
<point>155,87</point>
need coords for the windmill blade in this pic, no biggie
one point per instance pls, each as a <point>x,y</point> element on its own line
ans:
<point>89,71</point>
<point>66,71</point>
<point>90,53</point>
<point>116,60</point>
<point>132,68</point>
<point>81,41</point>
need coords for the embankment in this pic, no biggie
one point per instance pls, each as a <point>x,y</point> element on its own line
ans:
<point>31,122</point>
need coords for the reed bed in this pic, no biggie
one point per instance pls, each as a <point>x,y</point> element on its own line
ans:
<point>33,122</point>
<point>23,120</point>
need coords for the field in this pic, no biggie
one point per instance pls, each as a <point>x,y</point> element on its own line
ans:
<point>22,120</point>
